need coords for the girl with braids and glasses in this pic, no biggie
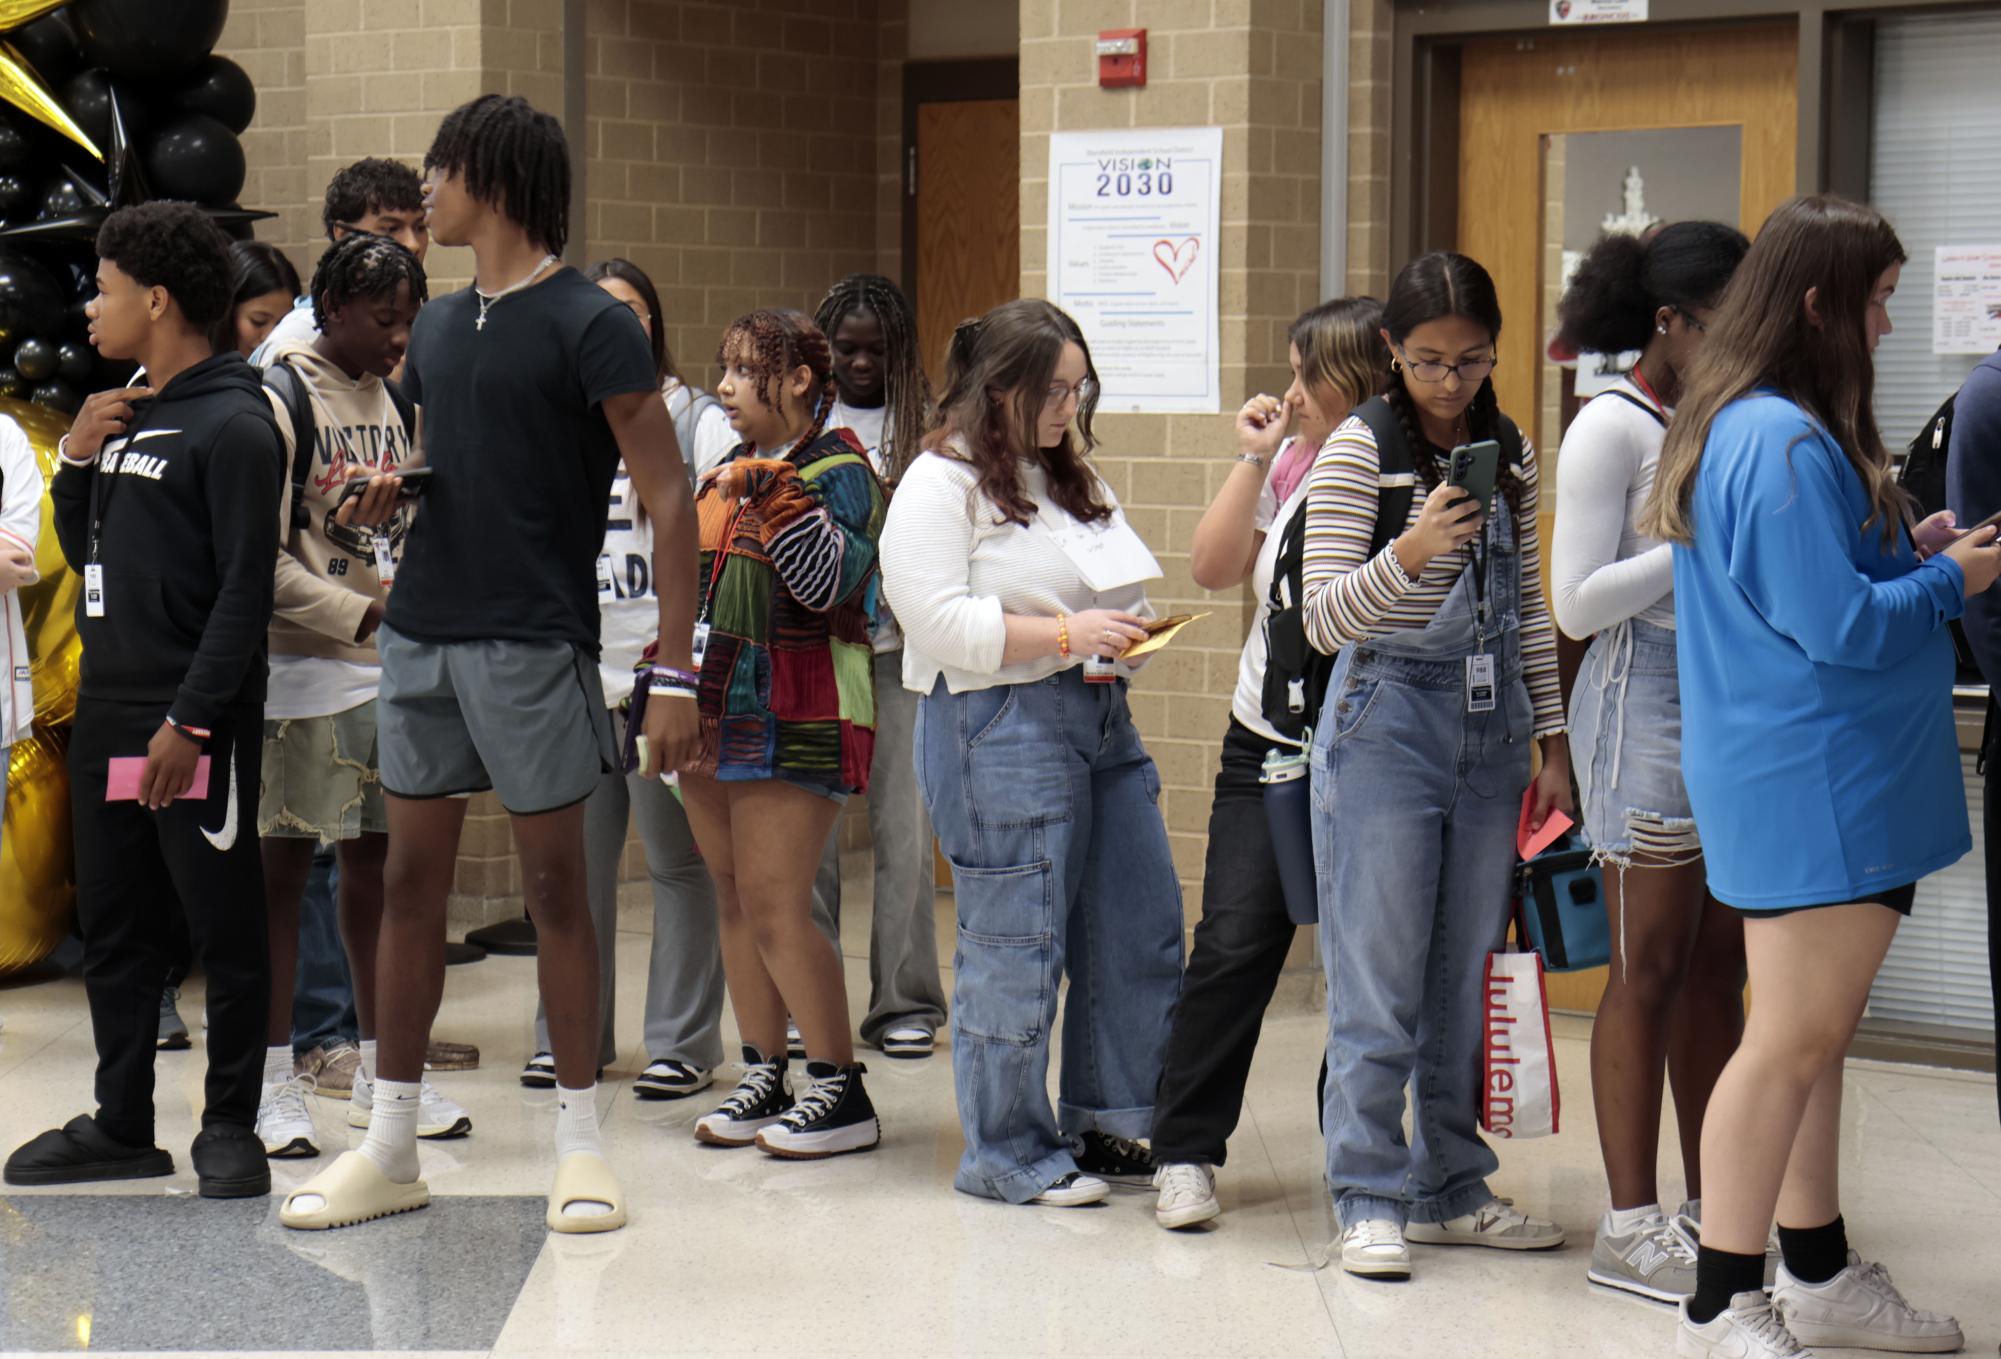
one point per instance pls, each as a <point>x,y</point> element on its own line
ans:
<point>1009,564</point>
<point>1446,674</point>
<point>1818,747</point>
<point>885,400</point>
<point>787,700</point>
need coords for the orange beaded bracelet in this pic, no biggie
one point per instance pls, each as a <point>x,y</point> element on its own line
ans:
<point>1063,635</point>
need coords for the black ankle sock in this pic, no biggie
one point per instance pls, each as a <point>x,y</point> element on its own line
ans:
<point>1815,1254</point>
<point>1719,1277</point>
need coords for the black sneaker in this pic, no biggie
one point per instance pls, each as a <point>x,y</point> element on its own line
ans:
<point>1114,1159</point>
<point>832,1117</point>
<point>81,1152</point>
<point>756,1103</point>
<point>672,1078</point>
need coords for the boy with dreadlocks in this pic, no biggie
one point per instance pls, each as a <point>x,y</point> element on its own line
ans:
<point>339,418</point>
<point>534,383</point>
<point>885,400</point>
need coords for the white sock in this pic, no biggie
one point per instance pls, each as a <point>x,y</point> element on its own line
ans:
<point>577,1131</point>
<point>368,1058</point>
<point>278,1065</point>
<point>392,1129</point>
<point>1623,1220</point>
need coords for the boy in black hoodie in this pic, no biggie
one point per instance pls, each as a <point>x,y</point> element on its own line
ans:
<point>166,502</point>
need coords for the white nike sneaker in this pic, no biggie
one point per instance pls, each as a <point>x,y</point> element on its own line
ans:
<point>438,1118</point>
<point>284,1124</point>
<point>1374,1249</point>
<point>1747,1329</point>
<point>1860,1309</point>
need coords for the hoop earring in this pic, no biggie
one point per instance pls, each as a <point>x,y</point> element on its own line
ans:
<point>1396,365</point>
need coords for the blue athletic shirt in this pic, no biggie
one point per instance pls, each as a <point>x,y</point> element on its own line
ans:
<point>1816,674</point>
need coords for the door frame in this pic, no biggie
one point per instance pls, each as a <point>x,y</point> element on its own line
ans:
<point>943,82</point>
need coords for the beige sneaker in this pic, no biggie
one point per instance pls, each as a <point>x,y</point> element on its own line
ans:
<point>440,1055</point>
<point>332,1068</point>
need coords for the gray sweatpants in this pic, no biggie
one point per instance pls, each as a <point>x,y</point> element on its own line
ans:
<point>904,986</point>
<point>684,987</point>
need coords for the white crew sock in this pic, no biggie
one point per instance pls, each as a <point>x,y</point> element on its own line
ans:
<point>577,1132</point>
<point>392,1129</point>
<point>278,1065</point>
<point>368,1058</point>
<point>1623,1220</point>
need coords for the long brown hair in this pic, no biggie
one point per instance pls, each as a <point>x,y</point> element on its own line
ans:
<point>1762,337</point>
<point>996,381</point>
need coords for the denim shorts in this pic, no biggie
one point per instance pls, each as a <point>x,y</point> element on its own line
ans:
<point>1625,741</point>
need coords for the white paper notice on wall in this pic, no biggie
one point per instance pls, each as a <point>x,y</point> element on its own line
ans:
<point>1133,216</point>
<point>1966,299</point>
<point>1597,11</point>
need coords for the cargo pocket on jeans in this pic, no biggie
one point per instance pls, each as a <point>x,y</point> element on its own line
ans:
<point>1004,984</point>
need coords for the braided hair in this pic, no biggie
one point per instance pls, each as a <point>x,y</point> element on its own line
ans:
<point>906,390</point>
<point>362,267</point>
<point>512,157</point>
<point>773,342</point>
<point>1430,288</point>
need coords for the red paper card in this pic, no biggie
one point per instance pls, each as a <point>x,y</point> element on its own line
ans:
<point>1529,844</point>
<point>121,779</point>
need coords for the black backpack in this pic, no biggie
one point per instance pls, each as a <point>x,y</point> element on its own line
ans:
<point>1923,473</point>
<point>284,380</point>
<point>1296,675</point>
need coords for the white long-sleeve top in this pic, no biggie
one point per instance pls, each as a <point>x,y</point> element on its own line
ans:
<point>1603,570</point>
<point>20,524</point>
<point>953,569</point>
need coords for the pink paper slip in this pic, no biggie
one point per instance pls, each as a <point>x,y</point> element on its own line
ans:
<point>1528,844</point>
<point>121,779</point>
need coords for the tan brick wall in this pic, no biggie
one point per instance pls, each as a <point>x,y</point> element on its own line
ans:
<point>1369,66</point>
<point>268,39</point>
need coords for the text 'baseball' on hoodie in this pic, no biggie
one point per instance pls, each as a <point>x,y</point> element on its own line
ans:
<point>187,504</point>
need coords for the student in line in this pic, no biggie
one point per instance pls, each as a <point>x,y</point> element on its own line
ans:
<point>166,504</point>
<point>1818,746</point>
<point>1674,1004</point>
<point>20,528</point>
<point>788,532</point>
<point>489,646</point>
<point>266,288</point>
<point>1445,678</point>
<point>376,197</point>
<point>684,983</point>
<point>885,400</point>
<point>1008,564</point>
<point>1338,360</point>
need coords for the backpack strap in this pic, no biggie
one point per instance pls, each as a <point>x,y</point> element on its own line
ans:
<point>1630,400</point>
<point>689,421</point>
<point>406,410</point>
<point>1397,475</point>
<point>284,380</point>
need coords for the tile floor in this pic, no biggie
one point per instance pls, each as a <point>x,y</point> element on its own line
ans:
<point>734,1253</point>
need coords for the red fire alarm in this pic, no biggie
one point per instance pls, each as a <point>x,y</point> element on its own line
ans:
<point>1121,57</point>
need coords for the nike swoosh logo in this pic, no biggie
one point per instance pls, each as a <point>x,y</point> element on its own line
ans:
<point>226,837</point>
<point>146,434</point>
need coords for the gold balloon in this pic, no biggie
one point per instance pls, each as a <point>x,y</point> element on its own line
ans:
<point>48,607</point>
<point>14,13</point>
<point>21,87</point>
<point>37,871</point>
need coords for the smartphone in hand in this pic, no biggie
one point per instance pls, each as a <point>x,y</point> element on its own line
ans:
<point>415,480</point>
<point>1476,469</point>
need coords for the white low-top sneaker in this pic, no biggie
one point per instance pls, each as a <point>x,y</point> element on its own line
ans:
<point>284,1124</point>
<point>1747,1329</point>
<point>1374,1249</point>
<point>1860,1309</point>
<point>1187,1194</point>
<point>1497,1224</point>
<point>1073,1191</point>
<point>438,1118</point>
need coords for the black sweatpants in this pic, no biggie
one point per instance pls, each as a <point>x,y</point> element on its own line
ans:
<point>1240,948</point>
<point>1990,827</point>
<point>138,869</point>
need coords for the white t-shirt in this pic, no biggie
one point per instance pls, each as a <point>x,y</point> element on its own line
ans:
<point>628,606</point>
<point>713,436</point>
<point>1602,569</point>
<point>317,686</point>
<point>1247,704</point>
<point>867,425</point>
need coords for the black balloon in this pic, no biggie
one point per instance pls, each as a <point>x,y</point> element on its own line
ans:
<point>87,97</point>
<point>74,362</point>
<point>59,396</point>
<point>31,302</point>
<point>145,39</point>
<point>35,360</point>
<point>221,89</point>
<point>49,44</point>
<point>196,158</point>
<point>63,198</point>
<point>13,145</point>
<point>12,384</point>
<point>16,197</point>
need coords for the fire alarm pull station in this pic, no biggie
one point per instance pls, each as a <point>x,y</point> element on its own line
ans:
<point>1121,57</point>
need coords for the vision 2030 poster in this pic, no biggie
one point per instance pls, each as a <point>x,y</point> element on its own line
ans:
<point>1133,218</point>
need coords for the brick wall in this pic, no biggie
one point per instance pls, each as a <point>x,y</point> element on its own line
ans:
<point>1369,65</point>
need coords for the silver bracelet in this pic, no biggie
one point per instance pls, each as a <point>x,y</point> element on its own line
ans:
<point>1252,458</point>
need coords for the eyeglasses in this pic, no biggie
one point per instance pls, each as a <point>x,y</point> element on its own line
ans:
<point>1467,370</point>
<point>1699,327</point>
<point>1060,392</point>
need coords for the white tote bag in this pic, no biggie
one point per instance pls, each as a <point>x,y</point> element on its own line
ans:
<point>1518,1092</point>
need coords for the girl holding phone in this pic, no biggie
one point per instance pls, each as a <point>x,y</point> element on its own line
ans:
<point>1446,675</point>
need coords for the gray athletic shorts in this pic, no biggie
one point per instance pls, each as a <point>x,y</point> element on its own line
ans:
<point>525,719</point>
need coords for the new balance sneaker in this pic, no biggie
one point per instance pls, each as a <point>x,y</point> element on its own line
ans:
<point>1114,1160</point>
<point>908,1040</point>
<point>672,1078</point>
<point>437,1117</point>
<point>1497,1225</point>
<point>332,1068</point>
<point>1689,1218</point>
<point>1187,1194</point>
<point>1073,1191</point>
<point>540,1073</point>
<point>832,1117</point>
<point>795,1043</point>
<point>1860,1309</point>
<point>173,1029</point>
<point>283,1121</point>
<point>1655,1260</point>
<point>1747,1329</point>
<point>758,1101</point>
<point>1374,1248</point>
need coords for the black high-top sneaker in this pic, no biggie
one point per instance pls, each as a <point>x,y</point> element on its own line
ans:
<point>833,1116</point>
<point>756,1103</point>
<point>1114,1160</point>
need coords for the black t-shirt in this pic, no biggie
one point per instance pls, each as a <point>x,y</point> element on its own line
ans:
<point>506,543</point>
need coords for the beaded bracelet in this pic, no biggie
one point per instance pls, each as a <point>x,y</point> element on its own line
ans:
<point>1063,635</point>
<point>667,676</point>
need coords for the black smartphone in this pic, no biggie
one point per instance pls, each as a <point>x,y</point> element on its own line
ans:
<point>1990,519</point>
<point>1475,469</point>
<point>415,479</point>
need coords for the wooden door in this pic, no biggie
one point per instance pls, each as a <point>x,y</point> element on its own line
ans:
<point>968,207</point>
<point>1518,93</point>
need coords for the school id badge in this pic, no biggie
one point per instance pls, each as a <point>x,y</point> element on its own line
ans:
<point>93,590</point>
<point>1480,683</point>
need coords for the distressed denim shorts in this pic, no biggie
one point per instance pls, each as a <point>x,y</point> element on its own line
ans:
<point>1625,743</point>
<point>321,778</point>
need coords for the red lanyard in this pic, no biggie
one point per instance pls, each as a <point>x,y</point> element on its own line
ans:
<point>1640,381</point>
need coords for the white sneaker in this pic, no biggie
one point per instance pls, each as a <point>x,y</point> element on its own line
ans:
<point>283,1122</point>
<point>1187,1194</point>
<point>1497,1225</point>
<point>1374,1248</point>
<point>437,1117</point>
<point>1860,1309</point>
<point>1747,1329</point>
<point>1074,1190</point>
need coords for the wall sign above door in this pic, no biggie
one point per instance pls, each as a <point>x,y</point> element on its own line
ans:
<point>1597,12</point>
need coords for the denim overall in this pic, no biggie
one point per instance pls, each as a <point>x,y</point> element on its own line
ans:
<point>1415,805</point>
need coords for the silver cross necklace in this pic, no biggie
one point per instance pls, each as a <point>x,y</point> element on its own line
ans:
<point>486,299</point>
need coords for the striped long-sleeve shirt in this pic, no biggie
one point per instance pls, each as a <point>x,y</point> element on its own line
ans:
<point>1350,597</point>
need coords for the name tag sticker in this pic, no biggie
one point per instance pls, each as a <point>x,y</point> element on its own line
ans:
<point>1106,555</point>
